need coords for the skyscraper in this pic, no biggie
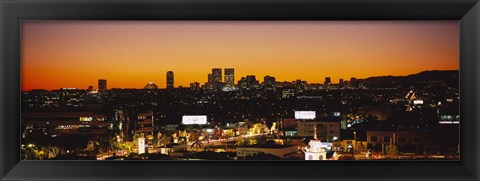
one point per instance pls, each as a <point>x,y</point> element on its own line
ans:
<point>229,77</point>
<point>209,84</point>
<point>217,75</point>
<point>328,81</point>
<point>102,85</point>
<point>170,80</point>
<point>216,80</point>
<point>210,78</point>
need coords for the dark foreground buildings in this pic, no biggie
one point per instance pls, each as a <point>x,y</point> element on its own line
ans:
<point>409,117</point>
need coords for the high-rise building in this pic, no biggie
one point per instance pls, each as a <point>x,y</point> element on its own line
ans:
<point>229,76</point>
<point>170,82</point>
<point>210,79</point>
<point>217,75</point>
<point>328,81</point>
<point>215,80</point>
<point>144,126</point>
<point>102,85</point>
<point>122,125</point>
<point>209,84</point>
<point>340,81</point>
<point>229,82</point>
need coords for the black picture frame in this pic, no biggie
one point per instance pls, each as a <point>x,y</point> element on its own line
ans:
<point>12,12</point>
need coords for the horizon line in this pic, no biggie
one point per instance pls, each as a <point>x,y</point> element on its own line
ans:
<point>186,86</point>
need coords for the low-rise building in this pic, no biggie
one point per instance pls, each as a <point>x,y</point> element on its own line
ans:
<point>326,130</point>
<point>350,146</point>
<point>66,123</point>
<point>402,138</point>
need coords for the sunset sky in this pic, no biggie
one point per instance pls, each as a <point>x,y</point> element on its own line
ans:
<point>129,54</point>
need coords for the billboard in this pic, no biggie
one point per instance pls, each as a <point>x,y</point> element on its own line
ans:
<point>417,102</point>
<point>194,119</point>
<point>304,114</point>
<point>449,119</point>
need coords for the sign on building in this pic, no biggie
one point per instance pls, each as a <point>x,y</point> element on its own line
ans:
<point>304,114</point>
<point>197,119</point>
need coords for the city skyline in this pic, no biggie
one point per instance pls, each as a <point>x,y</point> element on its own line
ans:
<point>58,54</point>
<point>103,86</point>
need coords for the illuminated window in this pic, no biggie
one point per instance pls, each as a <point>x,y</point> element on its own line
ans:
<point>86,118</point>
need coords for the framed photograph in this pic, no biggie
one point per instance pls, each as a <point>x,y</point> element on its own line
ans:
<point>239,90</point>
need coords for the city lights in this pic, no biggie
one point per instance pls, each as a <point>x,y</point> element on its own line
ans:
<point>214,92</point>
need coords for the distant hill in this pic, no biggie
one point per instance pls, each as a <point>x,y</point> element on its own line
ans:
<point>450,77</point>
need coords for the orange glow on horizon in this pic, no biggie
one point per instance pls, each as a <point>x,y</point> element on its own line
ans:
<point>129,54</point>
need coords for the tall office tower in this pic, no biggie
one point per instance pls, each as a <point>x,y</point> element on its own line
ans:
<point>102,85</point>
<point>209,84</point>
<point>169,80</point>
<point>210,78</point>
<point>217,75</point>
<point>340,81</point>
<point>144,126</point>
<point>229,76</point>
<point>216,81</point>
<point>328,81</point>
